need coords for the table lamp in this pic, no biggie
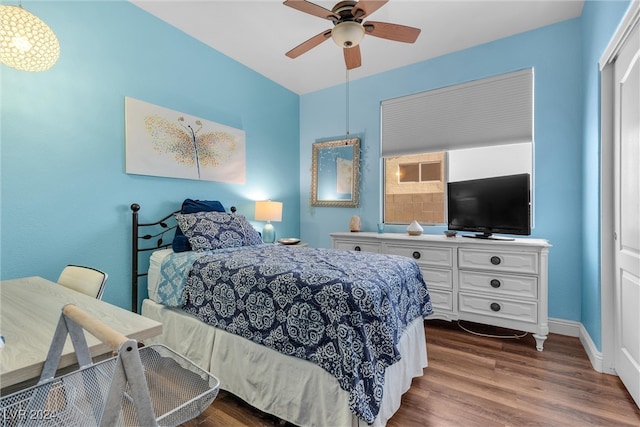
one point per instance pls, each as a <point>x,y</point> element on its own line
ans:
<point>268,211</point>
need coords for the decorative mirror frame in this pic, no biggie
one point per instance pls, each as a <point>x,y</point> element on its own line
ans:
<point>355,175</point>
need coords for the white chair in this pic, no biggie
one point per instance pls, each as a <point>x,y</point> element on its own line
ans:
<point>87,280</point>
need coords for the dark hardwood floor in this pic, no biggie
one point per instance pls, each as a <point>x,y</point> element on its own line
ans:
<point>478,381</point>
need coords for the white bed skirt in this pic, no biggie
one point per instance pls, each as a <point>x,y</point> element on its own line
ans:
<point>292,389</point>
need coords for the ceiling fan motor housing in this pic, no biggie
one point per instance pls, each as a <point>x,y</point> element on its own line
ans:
<point>344,8</point>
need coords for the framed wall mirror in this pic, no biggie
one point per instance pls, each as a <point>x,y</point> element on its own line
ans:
<point>335,173</point>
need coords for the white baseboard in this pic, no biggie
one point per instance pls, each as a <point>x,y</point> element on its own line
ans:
<point>577,329</point>
<point>595,356</point>
<point>564,327</point>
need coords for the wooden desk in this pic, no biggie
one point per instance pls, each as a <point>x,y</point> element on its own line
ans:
<point>29,312</point>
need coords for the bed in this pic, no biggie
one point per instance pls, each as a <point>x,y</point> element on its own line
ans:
<point>312,336</point>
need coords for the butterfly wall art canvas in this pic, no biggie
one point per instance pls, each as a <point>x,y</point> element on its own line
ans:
<point>168,143</point>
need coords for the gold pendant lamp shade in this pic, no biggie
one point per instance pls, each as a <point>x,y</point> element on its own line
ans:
<point>26,43</point>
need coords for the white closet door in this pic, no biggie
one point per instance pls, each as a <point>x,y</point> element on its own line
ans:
<point>627,214</point>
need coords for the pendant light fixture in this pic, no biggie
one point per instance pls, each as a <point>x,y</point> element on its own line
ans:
<point>26,43</point>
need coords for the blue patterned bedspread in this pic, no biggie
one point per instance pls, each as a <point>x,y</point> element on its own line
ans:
<point>342,310</point>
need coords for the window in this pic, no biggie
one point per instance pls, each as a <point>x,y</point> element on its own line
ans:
<point>419,172</point>
<point>471,130</point>
<point>414,188</point>
<point>423,198</point>
<point>408,172</point>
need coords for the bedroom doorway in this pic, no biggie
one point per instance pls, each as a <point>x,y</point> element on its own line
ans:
<point>620,210</point>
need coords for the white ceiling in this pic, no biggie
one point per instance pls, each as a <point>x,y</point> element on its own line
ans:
<point>257,33</point>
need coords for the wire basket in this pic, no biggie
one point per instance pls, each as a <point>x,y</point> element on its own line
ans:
<point>179,391</point>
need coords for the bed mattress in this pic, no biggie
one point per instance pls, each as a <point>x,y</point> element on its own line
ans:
<point>153,278</point>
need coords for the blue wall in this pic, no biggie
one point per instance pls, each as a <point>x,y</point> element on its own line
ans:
<point>599,22</point>
<point>566,163</point>
<point>65,196</point>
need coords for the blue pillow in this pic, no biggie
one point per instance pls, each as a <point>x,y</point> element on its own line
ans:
<point>180,241</point>
<point>193,206</point>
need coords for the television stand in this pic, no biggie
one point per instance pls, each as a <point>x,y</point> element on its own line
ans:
<point>488,236</point>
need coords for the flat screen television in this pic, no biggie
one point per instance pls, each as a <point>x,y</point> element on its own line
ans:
<point>486,206</point>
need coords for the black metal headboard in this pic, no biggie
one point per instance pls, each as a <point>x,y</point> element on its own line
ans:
<point>148,237</point>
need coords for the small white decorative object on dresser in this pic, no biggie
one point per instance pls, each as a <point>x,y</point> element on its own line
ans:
<point>494,282</point>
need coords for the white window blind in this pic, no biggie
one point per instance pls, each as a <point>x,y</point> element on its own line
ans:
<point>492,111</point>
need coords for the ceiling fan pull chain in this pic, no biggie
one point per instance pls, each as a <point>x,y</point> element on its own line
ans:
<point>347,87</point>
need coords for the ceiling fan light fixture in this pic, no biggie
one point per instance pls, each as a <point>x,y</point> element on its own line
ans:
<point>347,34</point>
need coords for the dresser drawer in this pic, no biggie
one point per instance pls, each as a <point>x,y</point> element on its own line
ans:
<point>524,311</point>
<point>441,279</point>
<point>357,246</point>
<point>441,300</point>
<point>515,262</point>
<point>498,284</point>
<point>424,255</point>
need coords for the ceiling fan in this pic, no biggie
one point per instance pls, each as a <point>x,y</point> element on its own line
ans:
<point>349,29</point>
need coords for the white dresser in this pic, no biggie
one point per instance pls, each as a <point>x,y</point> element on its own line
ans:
<point>494,282</point>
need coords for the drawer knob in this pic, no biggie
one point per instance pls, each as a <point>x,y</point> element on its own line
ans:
<point>416,255</point>
<point>495,306</point>
<point>495,283</point>
<point>495,260</point>
<point>357,248</point>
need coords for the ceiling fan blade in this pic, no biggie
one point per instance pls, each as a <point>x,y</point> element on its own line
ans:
<point>396,32</point>
<point>309,44</point>
<point>367,7</point>
<point>312,9</point>
<point>352,57</point>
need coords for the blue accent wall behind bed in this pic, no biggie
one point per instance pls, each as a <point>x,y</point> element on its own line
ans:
<point>65,193</point>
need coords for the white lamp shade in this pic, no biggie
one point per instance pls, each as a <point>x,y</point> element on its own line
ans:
<point>347,34</point>
<point>26,43</point>
<point>268,211</point>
